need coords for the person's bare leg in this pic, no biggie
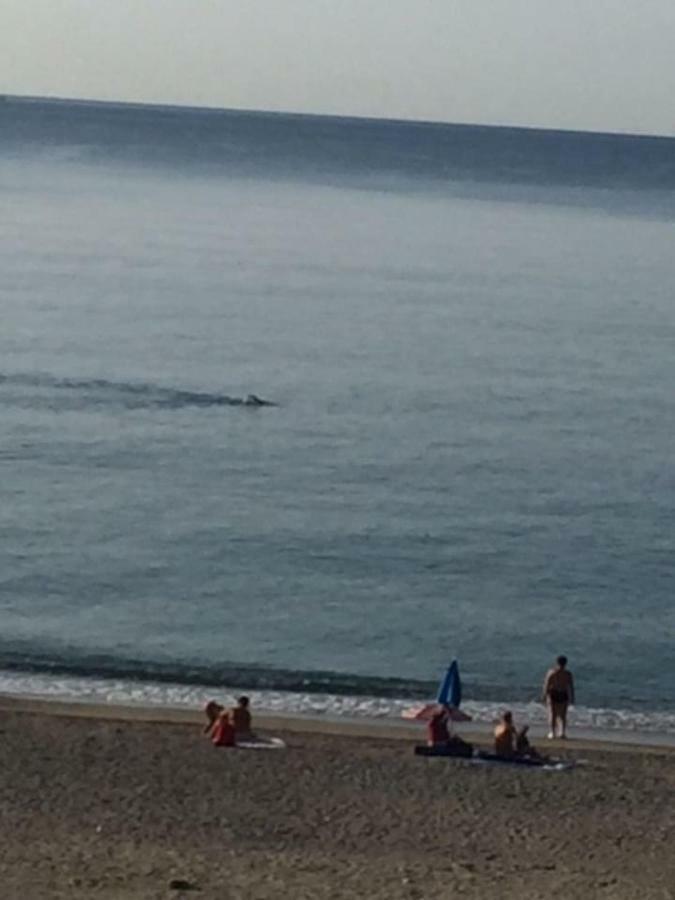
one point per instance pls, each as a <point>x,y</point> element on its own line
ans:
<point>563,720</point>
<point>551,720</point>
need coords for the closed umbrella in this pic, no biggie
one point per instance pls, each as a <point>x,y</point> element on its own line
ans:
<point>449,696</point>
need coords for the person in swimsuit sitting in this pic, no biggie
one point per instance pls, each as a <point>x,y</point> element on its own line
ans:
<point>219,726</point>
<point>438,733</point>
<point>506,737</point>
<point>212,710</point>
<point>439,738</point>
<point>223,733</point>
<point>558,694</point>
<point>241,719</point>
<point>524,749</point>
<point>512,743</point>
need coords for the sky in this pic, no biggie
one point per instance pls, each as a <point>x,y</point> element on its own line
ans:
<point>600,65</point>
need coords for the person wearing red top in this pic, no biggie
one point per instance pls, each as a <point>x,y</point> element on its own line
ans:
<point>223,733</point>
<point>440,742</point>
<point>437,729</point>
<point>212,710</point>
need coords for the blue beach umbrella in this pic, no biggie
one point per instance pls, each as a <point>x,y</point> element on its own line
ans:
<point>450,688</point>
<point>449,696</point>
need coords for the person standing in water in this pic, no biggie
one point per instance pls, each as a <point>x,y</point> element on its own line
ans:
<point>558,694</point>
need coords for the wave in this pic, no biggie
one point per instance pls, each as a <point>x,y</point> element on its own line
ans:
<point>69,673</point>
<point>40,390</point>
<point>79,665</point>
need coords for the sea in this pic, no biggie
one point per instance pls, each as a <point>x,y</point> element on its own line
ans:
<point>463,339</point>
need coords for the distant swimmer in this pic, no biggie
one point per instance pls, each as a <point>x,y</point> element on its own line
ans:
<point>558,695</point>
<point>253,400</point>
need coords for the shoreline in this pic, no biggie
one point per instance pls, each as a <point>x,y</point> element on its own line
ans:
<point>635,724</point>
<point>354,727</point>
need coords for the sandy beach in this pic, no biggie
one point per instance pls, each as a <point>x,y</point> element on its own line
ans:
<point>110,805</point>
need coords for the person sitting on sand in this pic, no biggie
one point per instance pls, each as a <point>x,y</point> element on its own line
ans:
<point>524,749</point>
<point>513,743</point>
<point>223,733</point>
<point>241,719</point>
<point>438,733</point>
<point>212,710</point>
<point>558,694</point>
<point>440,742</point>
<point>505,737</point>
<point>523,746</point>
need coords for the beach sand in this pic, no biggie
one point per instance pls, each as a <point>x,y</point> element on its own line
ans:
<point>119,807</point>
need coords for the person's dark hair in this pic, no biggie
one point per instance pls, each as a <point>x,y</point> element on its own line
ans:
<point>562,661</point>
<point>212,710</point>
<point>507,716</point>
<point>243,701</point>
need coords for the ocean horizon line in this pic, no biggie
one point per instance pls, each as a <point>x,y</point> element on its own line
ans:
<point>327,116</point>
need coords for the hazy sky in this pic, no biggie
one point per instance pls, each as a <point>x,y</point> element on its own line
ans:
<point>588,64</point>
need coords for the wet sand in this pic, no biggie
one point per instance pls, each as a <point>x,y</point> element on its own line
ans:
<point>108,805</point>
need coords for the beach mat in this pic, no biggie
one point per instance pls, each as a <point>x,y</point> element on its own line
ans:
<point>547,765</point>
<point>481,757</point>
<point>262,743</point>
<point>455,751</point>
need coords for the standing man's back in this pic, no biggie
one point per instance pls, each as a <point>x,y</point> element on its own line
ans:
<point>558,694</point>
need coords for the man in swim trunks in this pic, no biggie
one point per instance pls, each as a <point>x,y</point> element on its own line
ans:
<point>558,694</point>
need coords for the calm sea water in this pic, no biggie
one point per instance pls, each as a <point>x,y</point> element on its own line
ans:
<point>469,337</point>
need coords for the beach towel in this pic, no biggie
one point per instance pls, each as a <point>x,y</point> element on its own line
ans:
<point>546,765</point>
<point>262,743</point>
<point>458,749</point>
<point>481,757</point>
